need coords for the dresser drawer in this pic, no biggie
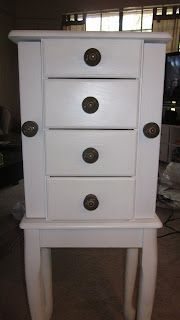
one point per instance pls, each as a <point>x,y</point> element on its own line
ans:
<point>72,198</point>
<point>118,58</point>
<point>90,103</point>
<point>90,152</point>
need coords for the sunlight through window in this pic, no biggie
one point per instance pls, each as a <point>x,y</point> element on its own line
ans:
<point>110,21</point>
<point>137,20</point>
<point>147,19</point>
<point>131,20</point>
<point>93,22</point>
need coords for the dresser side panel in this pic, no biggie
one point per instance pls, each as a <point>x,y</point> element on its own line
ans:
<point>150,111</point>
<point>31,109</point>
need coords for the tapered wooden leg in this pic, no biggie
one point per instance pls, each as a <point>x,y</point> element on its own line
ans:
<point>130,278</point>
<point>47,280</point>
<point>33,275</point>
<point>147,275</point>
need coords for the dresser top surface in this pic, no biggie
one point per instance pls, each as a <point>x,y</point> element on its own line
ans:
<point>37,35</point>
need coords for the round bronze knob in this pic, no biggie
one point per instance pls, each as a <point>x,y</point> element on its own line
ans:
<point>91,202</point>
<point>29,128</point>
<point>92,57</point>
<point>90,155</point>
<point>151,130</point>
<point>90,104</point>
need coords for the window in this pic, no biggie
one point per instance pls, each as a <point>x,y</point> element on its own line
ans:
<point>73,20</point>
<point>166,12</point>
<point>110,21</point>
<point>147,20</point>
<point>106,21</point>
<point>137,20</point>
<point>169,11</point>
<point>132,20</point>
<point>159,11</point>
<point>128,19</point>
<point>93,22</point>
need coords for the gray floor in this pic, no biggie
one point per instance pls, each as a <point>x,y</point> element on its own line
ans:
<point>87,283</point>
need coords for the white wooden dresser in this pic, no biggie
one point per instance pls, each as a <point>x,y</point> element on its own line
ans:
<point>91,114</point>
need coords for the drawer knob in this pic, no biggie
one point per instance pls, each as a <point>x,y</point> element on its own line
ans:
<point>151,130</point>
<point>29,128</point>
<point>91,202</point>
<point>92,57</point>
<point>90,155</point>
<point>90,105</point>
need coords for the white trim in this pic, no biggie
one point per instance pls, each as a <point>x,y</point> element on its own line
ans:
<point>130,224</point>
<point>37,35</point>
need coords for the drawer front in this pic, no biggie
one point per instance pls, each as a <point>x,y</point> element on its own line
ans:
<point>90,152</point>
<point>65,58</point>
<point>71,198</point>
<point>87,103</point>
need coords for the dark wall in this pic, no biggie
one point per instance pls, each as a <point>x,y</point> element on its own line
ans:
<point>8,6</point>
<point>9,96</point>
<point>88,5</point>
<point>50,8</point>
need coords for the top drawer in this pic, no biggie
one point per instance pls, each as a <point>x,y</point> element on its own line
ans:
<point>66,58</point>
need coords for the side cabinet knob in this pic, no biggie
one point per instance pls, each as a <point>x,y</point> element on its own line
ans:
<point>151,130</point>
<point>29,128</point>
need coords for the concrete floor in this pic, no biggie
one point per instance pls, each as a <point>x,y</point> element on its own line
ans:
<point>87,283</point>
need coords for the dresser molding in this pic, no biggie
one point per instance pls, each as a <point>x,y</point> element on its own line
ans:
<point>37,35</point>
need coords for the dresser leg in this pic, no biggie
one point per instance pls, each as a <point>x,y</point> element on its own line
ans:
<point>33,275</point>
<point>47,280</point>
<point>148,275</point>
<point>130,278</point>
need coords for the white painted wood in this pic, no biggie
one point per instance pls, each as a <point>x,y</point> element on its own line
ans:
<point>147,275</point>
<point>65,58</point>
<point>116,149</point>
<point>33,275</point>
<point>38,268</point>
<point>118,103</point>
<point>37,35</point>
<point>130,278</point>
<point>125,215</point>
<point>28,223</point>
<point>31,109</point>
<point>94,238</point>
<point>150,111</point>
<point>47,280</point>
<point>66,196</point>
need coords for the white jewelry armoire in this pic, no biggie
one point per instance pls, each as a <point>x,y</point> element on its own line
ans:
<point>91,116</point>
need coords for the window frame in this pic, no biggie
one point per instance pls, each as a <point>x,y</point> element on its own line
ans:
<point>66,18</point>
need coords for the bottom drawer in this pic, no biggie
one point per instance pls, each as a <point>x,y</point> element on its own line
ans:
<point>90,198</point>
